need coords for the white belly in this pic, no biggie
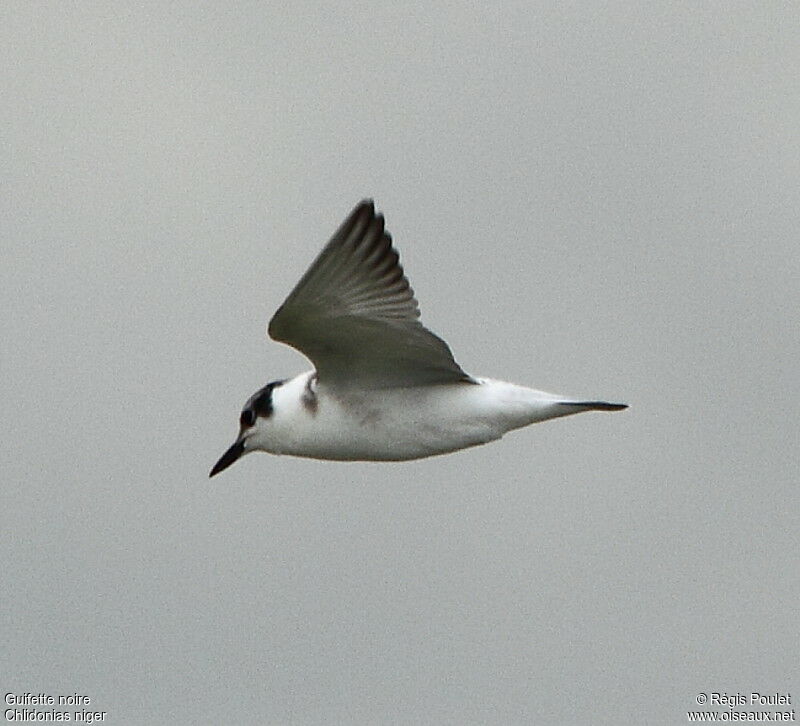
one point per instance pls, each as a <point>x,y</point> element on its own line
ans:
<point>406,423</point>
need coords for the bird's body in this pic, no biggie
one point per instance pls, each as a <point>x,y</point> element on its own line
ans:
<point>384,387</point>
<point>396,424</point>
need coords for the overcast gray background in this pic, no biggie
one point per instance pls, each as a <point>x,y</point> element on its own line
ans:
<point>599,199</point>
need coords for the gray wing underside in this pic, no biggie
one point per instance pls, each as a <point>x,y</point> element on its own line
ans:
<point>354,315</point>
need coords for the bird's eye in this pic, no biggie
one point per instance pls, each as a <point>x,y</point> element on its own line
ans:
<point>248,418</point>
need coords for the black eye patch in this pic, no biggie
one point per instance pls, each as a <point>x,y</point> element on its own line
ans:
<point>263,404</point>
<point>259,406</point>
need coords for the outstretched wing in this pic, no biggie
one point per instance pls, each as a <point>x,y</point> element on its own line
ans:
<point>354,315</point>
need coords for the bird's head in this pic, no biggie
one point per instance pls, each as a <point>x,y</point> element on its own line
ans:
<point>253,421</point>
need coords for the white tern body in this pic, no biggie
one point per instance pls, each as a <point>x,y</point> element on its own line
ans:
<point>394,424</point>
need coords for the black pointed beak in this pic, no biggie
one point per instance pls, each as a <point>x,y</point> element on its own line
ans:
<point>229,457</point>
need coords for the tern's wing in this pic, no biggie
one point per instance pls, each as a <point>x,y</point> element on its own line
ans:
<point>355,316</point>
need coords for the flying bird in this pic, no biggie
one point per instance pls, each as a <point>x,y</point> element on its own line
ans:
<point>384,387</point>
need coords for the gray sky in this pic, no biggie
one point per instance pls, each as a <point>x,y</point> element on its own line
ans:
<point>595,199</point>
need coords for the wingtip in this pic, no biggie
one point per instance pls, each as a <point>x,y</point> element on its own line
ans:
<point>604,406</point>
<point>364,210</point>
<point>597,405</point>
